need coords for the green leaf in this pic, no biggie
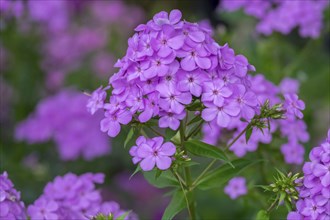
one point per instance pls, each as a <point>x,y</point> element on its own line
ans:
<point>194,120</point>
<point>262,215</point>
<point>248,134</point>
<point>202,149</point>
<point>129,136</point>
<point>282,197</point>
<point>169,134</point>
<point>138,169</point>
<point>165,180</point>
<point>196,105</point>
<point>158,173</point>
<point>176,205</point>
<point>224,173</point>
<point>123,216</point>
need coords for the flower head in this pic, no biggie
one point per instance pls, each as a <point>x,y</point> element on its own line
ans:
<point>153,152</point>
<point>236,187</point>
<point>10,205</point>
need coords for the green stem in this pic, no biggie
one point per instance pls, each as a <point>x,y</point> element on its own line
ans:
<point>215,160</point>
<point>155,131</point>
<point>272,205</point>
<point>237,137</point>
<point>184,192</point>
<point>194,131</point>
<point>203,173</point>
<point>191,204</point>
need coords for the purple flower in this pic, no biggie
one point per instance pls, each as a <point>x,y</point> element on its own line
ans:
<point>151,107</point>
<point>171,120</point>
<point>96,101</point>
<point>43,209</point>
<point>293,153</point>
<point>168,63</point>
<point>236,187</point>
<point>63,118</point>
<point>173,100</point>
<point>153,152</point>
<point>274,16</point>
<point>10,205</point>
<point>215,92</point>
<point>293,105</point>
<point>192,82</point>
<point>314,194</point>
<point>111,122</point>
<point>222,113</point>
<point>247,102</point>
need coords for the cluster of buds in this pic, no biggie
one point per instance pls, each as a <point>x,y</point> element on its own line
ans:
<point>285,188</point>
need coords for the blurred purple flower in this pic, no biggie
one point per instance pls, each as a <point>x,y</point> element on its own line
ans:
<point>236,187</point>
<point>64,118</point>
<point>10,205</point>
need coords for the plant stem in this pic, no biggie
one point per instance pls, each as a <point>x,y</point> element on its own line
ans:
<point>237,137</point>
<point>204,172</point>
<point>191,204</point>
<point>155,131</point>
<point>183,190</point>
<point>215,160</point>
<point>272,205</point>
<point>194,131</point>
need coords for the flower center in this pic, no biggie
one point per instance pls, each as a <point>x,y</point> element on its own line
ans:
<point>190,79</point>
<point>172,97</point>
<point>168,78</point>
<point>215,92</point>
<point>155,153</point>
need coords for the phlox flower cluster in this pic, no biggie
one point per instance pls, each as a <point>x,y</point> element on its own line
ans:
<point>11,206</point>
<point>283,15</point>
<point>169,64</point>
<point>236,187</point>
<point>292,127</point>
<point>314,194</point>
<point>74,197</point>
<point>152,152</point>
<point>64,119</point>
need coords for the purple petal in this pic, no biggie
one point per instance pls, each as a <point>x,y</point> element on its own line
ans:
<point>144,151</point>
<point>163,162</point>
<point>223,119</point>
<point>196,90</point>
<point>325,180</point>
<point>209,114</point>
<point>167,149</point>
<point>175,16</point>
<point>163,122</point>
<point>188,63</point>
<point>232,109</point>
<point>114,129</point>
<point>174,123</point>
<point>184,98</point>
<point>203,62</point>
<point>164,51</point>
<point>146,115</point>
<point>148,163</point>
<point>197,36</point>
<point>176,42</point>
<point>125,117</point>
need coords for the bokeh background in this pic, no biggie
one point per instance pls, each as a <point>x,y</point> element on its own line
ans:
<point>57,47</point>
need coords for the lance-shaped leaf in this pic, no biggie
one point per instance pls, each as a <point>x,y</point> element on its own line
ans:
<point>166,179</point>
<point>176,205</point>
<point>223,174</point>
<point>202,149</point>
